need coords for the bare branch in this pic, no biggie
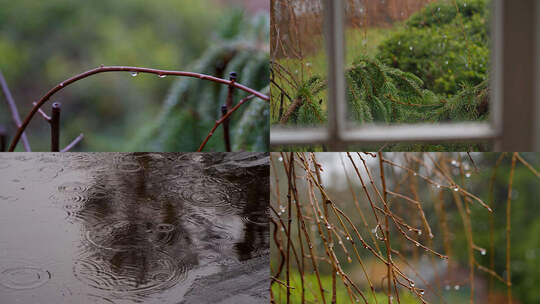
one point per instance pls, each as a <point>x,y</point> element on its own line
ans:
<point>14,111</point>
<point>104,69</point>
<point>42,113</point>
<point>77,140</point>
<point>223,118</point>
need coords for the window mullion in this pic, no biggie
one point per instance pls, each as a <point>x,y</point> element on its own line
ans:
<point>335,44</point>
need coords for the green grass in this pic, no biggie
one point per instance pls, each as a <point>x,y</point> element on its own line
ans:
<point>357,42</point>
<point>312,293</point>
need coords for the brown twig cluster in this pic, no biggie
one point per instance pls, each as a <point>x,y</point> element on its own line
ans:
<point>54,120</point>
<point>382,222</point>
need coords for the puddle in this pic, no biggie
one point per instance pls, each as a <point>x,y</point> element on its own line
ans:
<point>134,228</point>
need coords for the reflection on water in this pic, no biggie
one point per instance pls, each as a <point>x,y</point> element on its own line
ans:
<point>133,228</point>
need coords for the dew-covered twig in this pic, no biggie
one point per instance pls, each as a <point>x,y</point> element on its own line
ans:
<point>135,71</point>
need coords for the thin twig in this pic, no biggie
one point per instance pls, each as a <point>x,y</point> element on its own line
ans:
<point>223,118</point>
<point>14,111</point>
<point>508,229</point>
<point>73,143</point>
<point>3,140</point>
<point>42,113</point>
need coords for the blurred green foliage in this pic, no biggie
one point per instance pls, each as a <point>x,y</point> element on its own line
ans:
<point>193,106</point>
<point>45,42</point>
<point>445,44</point>
<point>525,227</point>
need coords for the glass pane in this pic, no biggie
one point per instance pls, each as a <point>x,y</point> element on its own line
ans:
<point>417,61</point>
<point>299,63</point>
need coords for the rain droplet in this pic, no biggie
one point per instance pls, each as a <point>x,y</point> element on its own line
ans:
<point>483,252</point>
<point>456,287</point>
<point>399,42</point>
<point>417,244</point>
<point>134,74</point>
<point>438,186</point>
<point>411,48</point>
<point>456,189</point>
<point>162,76</point>
<point>280,159</point>
<point>411,283</point>
<point>446,62</point>
<point>467,175</point>
<point>419,232</point>
<point>348,238</point>
<point>421,292</point>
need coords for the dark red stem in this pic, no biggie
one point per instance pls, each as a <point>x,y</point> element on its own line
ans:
<point>55,127</point>
<point>241,102</point>
<point>104,69</point>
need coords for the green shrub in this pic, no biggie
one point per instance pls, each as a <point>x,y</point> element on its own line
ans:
<point>442,46</point>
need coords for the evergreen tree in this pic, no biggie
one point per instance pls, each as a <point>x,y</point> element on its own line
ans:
<point>192,105</point>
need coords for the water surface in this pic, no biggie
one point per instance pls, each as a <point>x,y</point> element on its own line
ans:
<point>134,228</point>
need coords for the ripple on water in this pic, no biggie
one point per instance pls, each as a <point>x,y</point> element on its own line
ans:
<point>139,273</point>
<point>124,235</point>
<point>25,277</point>
<point>165,228</point>
<point>45,173</point>
<point>73,187</point>
<point>257,218</point>
<point>128,166</point>
<point>206,197</point>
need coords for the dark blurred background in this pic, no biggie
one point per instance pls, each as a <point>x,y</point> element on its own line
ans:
<point>45,42</point>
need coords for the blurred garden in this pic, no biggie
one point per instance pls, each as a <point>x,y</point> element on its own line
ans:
<point>43,43</point>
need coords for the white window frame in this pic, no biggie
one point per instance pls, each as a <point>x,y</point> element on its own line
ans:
<point>514,123</point>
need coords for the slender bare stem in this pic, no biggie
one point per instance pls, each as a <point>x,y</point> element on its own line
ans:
<point>55,127</point>
<point>77,140</point>
<point>223,118</point>
<point>3,140</point>
<point>14,112</point>
<point>508,230</point>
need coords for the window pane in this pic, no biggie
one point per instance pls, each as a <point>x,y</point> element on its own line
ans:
<point>417,61</point>
<point>299,64</point>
